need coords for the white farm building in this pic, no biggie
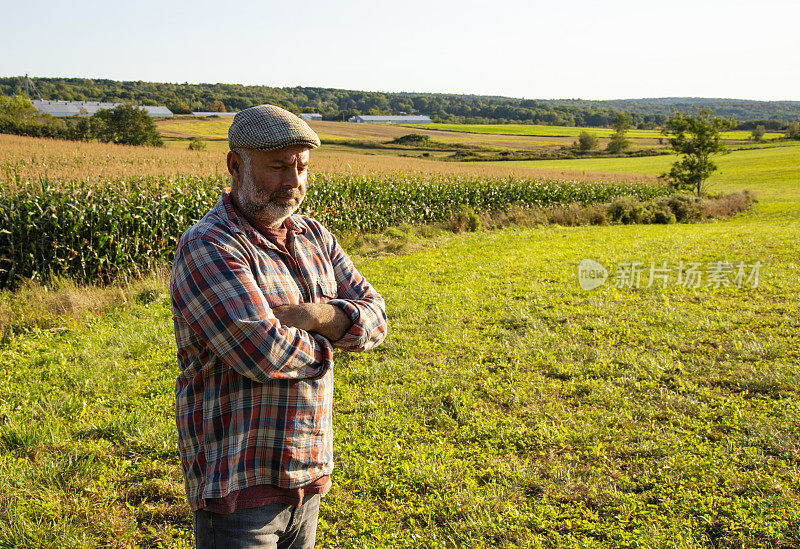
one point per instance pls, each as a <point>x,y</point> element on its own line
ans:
<point>391,119</point>
<point>310,116</point>
<point>88,108</point>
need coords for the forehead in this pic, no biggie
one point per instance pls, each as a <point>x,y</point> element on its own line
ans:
<point>288,155</point>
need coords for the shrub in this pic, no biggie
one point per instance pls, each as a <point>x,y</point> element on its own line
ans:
<point>466,219</point>
<point>197,144</point>
<point>728,205</point>
<point>627,209</point>
<point>411,139</point>
<point>596,214</point>
<point>685,207</point>
<point>661,213</point>
<point>33,127</point>
<point>567,216</point>
<point>587,141</point>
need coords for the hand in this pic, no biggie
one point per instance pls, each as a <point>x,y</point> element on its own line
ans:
<point>327,320</point>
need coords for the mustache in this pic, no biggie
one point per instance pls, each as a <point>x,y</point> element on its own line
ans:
<point>287,194</point>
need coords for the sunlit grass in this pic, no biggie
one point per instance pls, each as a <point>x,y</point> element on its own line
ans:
<point>565,131</point>
<point>507,408</point>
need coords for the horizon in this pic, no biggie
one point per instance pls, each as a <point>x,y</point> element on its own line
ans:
<point>33,78</point>
<point>511,48</point>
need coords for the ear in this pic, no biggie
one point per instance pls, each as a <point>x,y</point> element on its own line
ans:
<point>234,166</point>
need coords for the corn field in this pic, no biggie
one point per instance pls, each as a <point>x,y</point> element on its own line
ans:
<point>103,230</point>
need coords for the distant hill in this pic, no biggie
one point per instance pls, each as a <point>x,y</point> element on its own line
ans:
<point>336,104</point>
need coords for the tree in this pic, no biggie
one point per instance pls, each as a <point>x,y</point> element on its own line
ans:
<point>758,133</point>
<point>18,106</point>
<point>696,138</point>
<point>621,124</point>
<point>793,131</point>
<point>127,125</point>
<point>586,141</point>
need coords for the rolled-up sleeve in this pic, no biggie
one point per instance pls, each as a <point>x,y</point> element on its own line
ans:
<point>214,290</point>
<point>362,303</point>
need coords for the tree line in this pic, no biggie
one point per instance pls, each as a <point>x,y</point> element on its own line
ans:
<point>124,124</point>
<point>336,104</point>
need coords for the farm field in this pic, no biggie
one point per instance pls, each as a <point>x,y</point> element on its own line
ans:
<point>562,131</point>
<point>772,173</point>
<point>507,408</point>
<point>216,129</point>
<point>29,158</point>
<point>362,140</point>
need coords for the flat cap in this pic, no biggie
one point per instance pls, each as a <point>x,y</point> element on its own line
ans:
<point>267,128</point>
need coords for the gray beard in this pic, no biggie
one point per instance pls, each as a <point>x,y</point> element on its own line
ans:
<point>262,210</point>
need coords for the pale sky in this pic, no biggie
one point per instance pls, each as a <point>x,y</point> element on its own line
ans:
<point>588,49</point>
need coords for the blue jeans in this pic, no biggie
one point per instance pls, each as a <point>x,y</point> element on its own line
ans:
<point>273,526</point>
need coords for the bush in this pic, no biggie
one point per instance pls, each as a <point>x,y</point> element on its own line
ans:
<point>685,207</point>
<point>618,144</point>
<point>33,128</point>
<point>197,144</point>
<point>627,209</point>
<point>587,141</point>
<point>567,216</point>
<point>661,213</point>
<point>728,205</point>
<point>411,139</point>
<point>466,219</point>
<point>596,214</point>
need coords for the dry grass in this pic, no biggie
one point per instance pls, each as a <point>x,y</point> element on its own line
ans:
<point>32,158</point>
<point>331,159</point>
<point>728,205</point>
<point>62,301</point>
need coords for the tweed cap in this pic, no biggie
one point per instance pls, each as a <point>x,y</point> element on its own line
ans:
<point>267,128</point>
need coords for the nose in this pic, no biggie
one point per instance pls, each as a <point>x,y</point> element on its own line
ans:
<point>293,179</point>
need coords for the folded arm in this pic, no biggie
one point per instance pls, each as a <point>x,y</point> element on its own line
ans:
<point>327,320</point>
<point>359,301</point>
<point>215,292</point>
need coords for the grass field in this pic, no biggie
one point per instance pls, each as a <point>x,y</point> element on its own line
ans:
<point>772,173</point>
<point>507,408</point>
<point>562,131</point>
<point>216,130</point>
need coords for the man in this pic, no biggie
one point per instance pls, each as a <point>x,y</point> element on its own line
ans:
<point>260,297</point>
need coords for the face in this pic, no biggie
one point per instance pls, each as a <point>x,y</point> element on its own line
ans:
<point>268,186</point>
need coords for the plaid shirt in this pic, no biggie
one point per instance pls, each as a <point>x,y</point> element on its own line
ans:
<point>254,397</point>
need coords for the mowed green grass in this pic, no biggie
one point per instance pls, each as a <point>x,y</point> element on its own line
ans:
<point>507,408</point>
<point>564,131</point>
<point>772,173</point>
